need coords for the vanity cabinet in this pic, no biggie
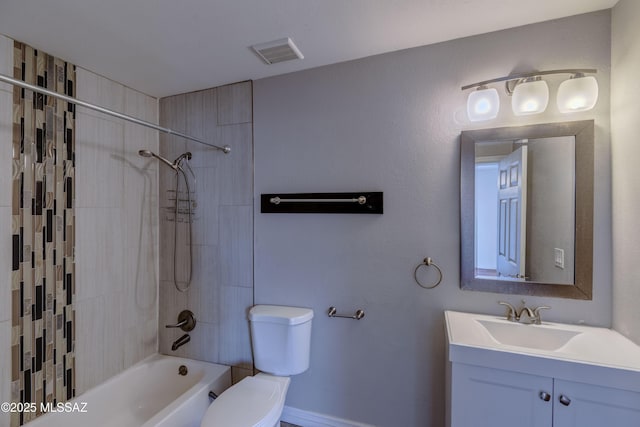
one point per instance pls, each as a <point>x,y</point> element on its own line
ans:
<point>592,405</point>
<point>504,374</point>
<point>490,397</point>
<point>494,398</point>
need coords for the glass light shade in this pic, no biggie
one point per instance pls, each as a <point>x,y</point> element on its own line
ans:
<point>483,104</point>
<point>530,98</point>
<point>577,94</point>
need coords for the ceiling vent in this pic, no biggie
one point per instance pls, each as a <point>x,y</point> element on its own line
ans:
<point>277,51</point>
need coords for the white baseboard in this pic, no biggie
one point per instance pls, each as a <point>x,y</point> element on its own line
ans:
<point>313,419</point>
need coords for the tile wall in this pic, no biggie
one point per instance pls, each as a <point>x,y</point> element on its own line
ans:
<point>6,130</point>
<point>43,233</point>
<point>116,298</point>
<point>117,238</point>
<point>221,291</point>
<point>117,241</point>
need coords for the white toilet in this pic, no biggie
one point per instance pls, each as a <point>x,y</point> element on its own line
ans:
<point>281,339</point>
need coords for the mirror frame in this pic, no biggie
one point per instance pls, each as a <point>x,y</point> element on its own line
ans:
<point>583,131</point>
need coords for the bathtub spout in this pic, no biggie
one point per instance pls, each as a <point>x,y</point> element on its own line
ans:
<point>180,342</point>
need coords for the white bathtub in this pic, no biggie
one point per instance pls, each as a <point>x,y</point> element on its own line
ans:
<point>149,394</point>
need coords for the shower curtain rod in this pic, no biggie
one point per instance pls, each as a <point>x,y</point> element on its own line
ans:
<point>226,149</point>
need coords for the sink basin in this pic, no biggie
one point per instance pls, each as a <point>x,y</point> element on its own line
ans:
<point>539,337</point>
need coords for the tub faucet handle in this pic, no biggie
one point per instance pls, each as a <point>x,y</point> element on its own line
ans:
<point>177,325</point>
<point>186,321</point>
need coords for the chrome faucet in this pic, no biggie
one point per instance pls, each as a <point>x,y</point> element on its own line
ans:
<point>530,315</point>
<point>531,318</point>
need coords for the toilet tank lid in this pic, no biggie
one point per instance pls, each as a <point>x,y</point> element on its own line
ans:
<point>280,314</point>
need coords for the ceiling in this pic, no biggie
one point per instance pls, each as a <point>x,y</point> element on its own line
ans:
<point>165,47</point>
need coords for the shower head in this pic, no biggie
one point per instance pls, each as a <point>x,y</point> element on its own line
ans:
<point>186,155</point>
<point>147,153</point>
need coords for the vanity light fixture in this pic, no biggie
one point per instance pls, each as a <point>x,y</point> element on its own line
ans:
<point>530,94</point>
<point>579,93</point>
<point>483,104</point>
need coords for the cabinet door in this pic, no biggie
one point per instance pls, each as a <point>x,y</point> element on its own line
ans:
<point>585,405</point>
<point>486,397</point>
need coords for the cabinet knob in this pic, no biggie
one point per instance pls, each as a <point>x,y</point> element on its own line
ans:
<point>564,400</point>
<point>545,396</point>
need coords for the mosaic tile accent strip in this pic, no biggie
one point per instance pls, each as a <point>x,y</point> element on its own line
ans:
<point>43,224</point>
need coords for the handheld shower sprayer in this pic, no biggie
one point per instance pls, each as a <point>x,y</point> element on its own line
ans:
<point>177,167</point>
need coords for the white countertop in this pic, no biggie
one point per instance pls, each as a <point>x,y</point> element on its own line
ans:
<point>593,355</point>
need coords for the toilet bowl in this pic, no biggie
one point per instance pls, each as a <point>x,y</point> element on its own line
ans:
<point>253,402</point>
<point>280,338</point>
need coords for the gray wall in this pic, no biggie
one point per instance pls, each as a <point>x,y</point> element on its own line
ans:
<point>625,93</point>
<point>551,208</point>
<point>391,123</point>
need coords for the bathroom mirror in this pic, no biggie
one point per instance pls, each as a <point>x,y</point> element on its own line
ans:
<point>527,209</point>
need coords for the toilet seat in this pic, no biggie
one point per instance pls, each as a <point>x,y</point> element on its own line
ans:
<point>253,402</point>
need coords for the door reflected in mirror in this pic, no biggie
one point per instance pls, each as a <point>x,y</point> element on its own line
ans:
<point>527,209</point>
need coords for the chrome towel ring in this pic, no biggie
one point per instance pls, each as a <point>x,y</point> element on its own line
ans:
<point>427,262</point>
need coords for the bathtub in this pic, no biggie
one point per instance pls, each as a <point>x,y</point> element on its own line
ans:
<point>149,394</point>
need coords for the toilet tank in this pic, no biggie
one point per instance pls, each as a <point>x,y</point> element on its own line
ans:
<point>280,338</point>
